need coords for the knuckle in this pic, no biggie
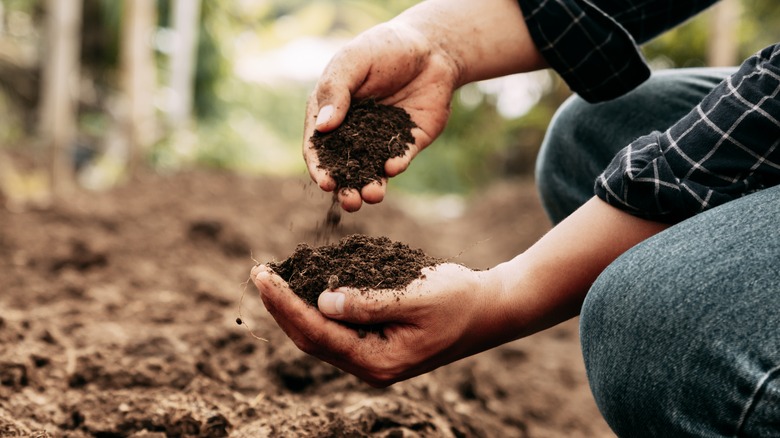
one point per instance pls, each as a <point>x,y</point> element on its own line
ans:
<point>325,88</point>
<point>365,310</point>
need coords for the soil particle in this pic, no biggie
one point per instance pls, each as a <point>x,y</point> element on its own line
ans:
<point>355,153</point>
<point>357,260</point>
<point>328,228</point>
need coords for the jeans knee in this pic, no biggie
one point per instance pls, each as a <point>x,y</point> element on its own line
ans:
<point>558,141</point>
<point>623,359</point>
<point>679,339</point>
<point>560,160</point>
<point>600,321</point>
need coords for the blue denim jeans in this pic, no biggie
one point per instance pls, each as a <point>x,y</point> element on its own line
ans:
<point>681,334</point>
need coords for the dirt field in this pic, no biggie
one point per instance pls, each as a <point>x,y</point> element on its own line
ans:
<point>117,318</point>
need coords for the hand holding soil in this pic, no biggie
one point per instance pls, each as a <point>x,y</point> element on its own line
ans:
<point>357,261</point>
<point>442,315</point>
<point>394,65</point>
<point>355,153</point>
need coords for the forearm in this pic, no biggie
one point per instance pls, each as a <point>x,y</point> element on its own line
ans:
<point>486,39</point>
<point>547,283</point>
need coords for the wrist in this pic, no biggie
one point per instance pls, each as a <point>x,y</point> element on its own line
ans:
<point>432,39</point>
<point>502,294</point>
<point>528,298</point>
<point>483,40</point>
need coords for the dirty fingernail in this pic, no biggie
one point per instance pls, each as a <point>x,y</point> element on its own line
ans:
<point>324,115</point>
<point>331,303</point>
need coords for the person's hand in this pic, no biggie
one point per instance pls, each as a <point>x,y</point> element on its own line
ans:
<point>449,313</point>
<point>415,62</point>
<point>396,65</point>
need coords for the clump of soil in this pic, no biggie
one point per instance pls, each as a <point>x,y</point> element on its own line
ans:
<point>356,261</point>
<point>355,153</point>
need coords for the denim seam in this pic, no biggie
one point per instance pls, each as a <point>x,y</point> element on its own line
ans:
<point>760,388</point>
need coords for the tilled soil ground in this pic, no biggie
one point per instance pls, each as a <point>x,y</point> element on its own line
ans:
<point>118,318</point>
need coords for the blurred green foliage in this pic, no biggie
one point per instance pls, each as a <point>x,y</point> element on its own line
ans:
<point>255,127</point>
<point>686,45</point>
<point>479,144</point>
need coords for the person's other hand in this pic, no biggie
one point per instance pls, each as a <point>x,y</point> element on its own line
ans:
<point>396,65</point>
<point>449,313</point>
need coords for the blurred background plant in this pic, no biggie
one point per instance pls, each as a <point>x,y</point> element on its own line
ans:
<point>94,91</point>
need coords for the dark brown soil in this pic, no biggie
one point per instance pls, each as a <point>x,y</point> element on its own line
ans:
<point>355,153</point>
<point>118,319</point>
<point>357,260</point>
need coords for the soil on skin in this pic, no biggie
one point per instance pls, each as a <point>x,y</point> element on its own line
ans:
<point>118,319</point>
<point>359,261</point>
<point>355,153</point>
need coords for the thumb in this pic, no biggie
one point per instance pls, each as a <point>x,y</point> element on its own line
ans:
<point>333,102</point>
<point>350,305</point>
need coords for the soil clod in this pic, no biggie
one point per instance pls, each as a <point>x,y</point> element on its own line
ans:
<point>355,261</point>
<point>355,153</point>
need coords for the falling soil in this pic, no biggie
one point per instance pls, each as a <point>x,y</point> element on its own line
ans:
<point>357,260</point>
<point>329,227</point>
<point>355,153</point>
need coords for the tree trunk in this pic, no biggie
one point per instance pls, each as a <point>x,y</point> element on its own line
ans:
<point>60,90</point>
<point>723,48</point>
<point>186,20</point>
<point>138,78</point>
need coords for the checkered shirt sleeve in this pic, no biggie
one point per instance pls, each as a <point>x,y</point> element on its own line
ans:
<point>726,147</point>
<point>592,44</point>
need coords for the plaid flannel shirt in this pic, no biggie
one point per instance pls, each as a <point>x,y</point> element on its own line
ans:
<point>725,148</point>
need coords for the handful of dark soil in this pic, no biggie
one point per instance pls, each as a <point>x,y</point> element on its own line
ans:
<point>356,151</point>
<point>356,261</point>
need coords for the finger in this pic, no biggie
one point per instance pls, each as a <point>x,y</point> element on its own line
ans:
<point>324,338</point>
<point>368,358</point>
<point>262,276</point>
<point>304,325</point>
<point>366,307</point>
<point>374,192</point>
<point>310,156</point>
<point>275,295</point>
<point>342,76</point>
<point>350,200</point>
<point>396,165</point>
<point>319,175</point>
<point>385,306</point>
<point>327,119</point>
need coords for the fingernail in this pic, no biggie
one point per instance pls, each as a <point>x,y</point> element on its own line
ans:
<point>331,303</point>
<point>324,115</point>
<point>255,270</point>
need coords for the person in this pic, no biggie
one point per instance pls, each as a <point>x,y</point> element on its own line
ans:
<point>662,187</point>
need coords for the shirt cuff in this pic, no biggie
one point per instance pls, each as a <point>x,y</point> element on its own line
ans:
<point>641,181</point>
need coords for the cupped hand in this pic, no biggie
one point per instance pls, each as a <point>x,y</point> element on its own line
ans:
<point>449,313</point>
<point>394,64</point>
